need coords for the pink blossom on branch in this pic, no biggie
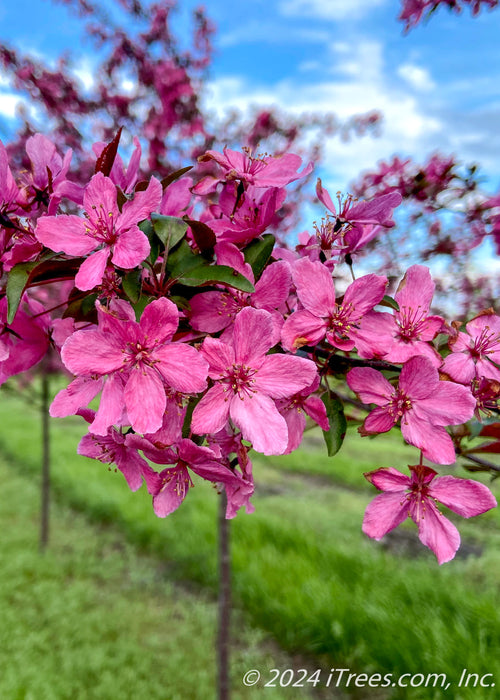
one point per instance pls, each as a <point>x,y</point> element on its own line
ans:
<point>246,381</point>
<point>477,352</point>
<point>322,317</point>
<point>112,234</point>
<point>112,449</point>
<point>416,497</point>
<point>376,211</point>
<point>259,171</point>
<point>171,485</point>
<point>295,409</point>
<point>412,11</point>
<point>140,362</point>
<point>413,327</point>
<point>423,403</point>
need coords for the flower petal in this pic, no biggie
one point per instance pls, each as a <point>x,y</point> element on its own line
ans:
<point>315,287</point>
<point>438,533</point>
<point>434,441</point>
<point>370,385</point>
<point>383,514</point>
<point>281,376</point>
<point>463,496</point>
<point>91,352</point>
<point>219,355</point>
<point>378,421</point>
<point>389,479</point>
<point>182,367</point>
<point>131,248</point>
<point>364,293</point>
<point>172,492</point>
<point>419,379</point>
<point>260,422</point>
<point>92,270</point>
<point>211,413</point>
<point>252,335</point>
<point>145,400</point>
<point>65,233</point>
<point>159,320</point>
<point>450,404</point>
<point>302,328</point>
<point>460,367</point>
<point>111,405</point>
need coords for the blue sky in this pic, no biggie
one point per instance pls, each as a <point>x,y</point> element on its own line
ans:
<point>438,87</point>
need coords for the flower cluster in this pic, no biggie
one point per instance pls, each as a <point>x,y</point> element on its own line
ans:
<point>203,339</point>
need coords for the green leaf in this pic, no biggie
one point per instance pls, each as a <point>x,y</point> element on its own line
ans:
<point>210,274</point>
<point>186,426</point>
<point>132,285</point>
<point>169,229</point>
<point>147,227</point>
<point>35,272</point>
<point>338,424</point>
<point>140,306</point>
<point>389,302</point>
<point>258,252</point>
<point>16,284</point>
<point>81,308</point>
<point>182,260</point>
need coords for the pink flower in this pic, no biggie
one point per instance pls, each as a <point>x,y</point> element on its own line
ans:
<point>295,409</point>
<point>47,183</point>
<point>423,403</point>
<point>23,342</point>
<point>246,382</point>
<point>243,218</point>
<point>473,353</point>
<point>105,228</point>
<point>170,486</point>
<point>267,171</point>
<point>111,449</point>
<point>322,316</point>
<point>413,328</point>
<point>376,211</point>
<point>9,191</point>
<point>141,364</point>
<point>415,497</point>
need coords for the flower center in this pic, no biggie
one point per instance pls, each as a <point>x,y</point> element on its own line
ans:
<point>102,225</point>
<point>240,378</point>
<point>398,405</point>
<point>410,322</point>
<point>180,476</point>
<point>487,342</point>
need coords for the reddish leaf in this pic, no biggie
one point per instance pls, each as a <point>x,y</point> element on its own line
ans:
<point>105,161</point>
<point>175,176</point>
<point>203,235</point>
<point>492,430</point>
<point>488,447</point>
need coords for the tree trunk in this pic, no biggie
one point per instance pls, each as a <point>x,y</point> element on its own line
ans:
<point>224,608</point>
<point>45,490</point>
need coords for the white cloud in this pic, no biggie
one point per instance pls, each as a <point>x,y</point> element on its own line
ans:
<point>358,83</point>
<point>416,76</point>
<point>329,9</point>
<point>9,102</point>
<point>258,31</point>
<point>85,74</point>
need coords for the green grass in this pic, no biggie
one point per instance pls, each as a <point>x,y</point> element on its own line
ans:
<point>94,619</point>
<point>303,571</point>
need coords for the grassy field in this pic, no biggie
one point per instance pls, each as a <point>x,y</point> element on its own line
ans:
<point>303,572</point>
